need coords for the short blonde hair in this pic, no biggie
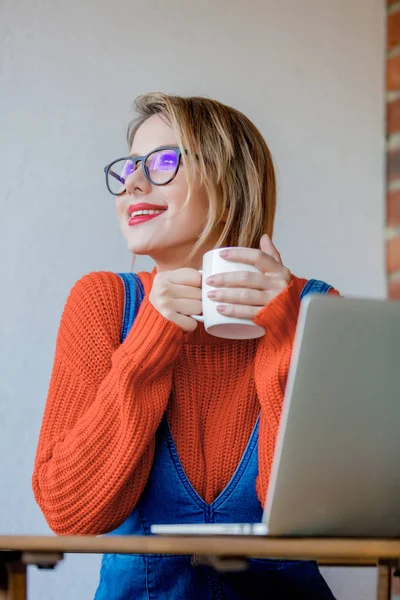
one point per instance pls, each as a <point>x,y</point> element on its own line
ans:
<point>232,162</point>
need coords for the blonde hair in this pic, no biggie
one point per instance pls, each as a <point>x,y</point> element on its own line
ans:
<point>226,153</point>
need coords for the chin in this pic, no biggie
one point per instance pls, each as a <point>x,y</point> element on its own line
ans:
<point>143,249</point>
<point>138,249</point>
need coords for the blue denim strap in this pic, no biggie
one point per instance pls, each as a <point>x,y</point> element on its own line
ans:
<point>134,294</point>
<point>314,286</point>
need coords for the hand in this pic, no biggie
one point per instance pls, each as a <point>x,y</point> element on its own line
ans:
<point>246,293</point>
<point>177,294</point>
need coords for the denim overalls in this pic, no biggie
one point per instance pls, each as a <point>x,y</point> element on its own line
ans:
<point>170,498</point>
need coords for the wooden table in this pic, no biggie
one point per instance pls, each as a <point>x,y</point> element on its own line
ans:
<point>220,552</point>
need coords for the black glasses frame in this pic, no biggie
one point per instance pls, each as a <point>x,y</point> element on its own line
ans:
<point>142,159</point>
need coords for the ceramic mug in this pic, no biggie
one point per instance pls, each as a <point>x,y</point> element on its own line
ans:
<point>216,323</point>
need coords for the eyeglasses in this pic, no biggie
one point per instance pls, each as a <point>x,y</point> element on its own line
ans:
<point>159,166</point>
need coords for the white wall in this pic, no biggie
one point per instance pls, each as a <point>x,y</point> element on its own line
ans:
<point>310,74</point>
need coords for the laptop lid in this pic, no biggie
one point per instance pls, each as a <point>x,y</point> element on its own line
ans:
<point>336,468</point>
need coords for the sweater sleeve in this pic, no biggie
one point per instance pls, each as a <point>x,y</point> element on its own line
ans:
<point>105,401</point>
<point>279,318</point>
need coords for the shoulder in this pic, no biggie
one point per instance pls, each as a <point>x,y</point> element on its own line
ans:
<point>90,325</point>
<point>97,291</point>
<point>93,311</point>
<point>95,304</point>
<point>99,281</point>
<point>105,283</point>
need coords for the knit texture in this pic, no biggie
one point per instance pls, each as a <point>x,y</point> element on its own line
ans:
<point>105,401</point>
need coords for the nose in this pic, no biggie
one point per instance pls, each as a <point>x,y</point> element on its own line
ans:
<point>136,182</point>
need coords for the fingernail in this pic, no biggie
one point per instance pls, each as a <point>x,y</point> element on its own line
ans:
<point>210,280</point>
<point>221,308</point>
<point>211,294</point>
<point>224,253</point>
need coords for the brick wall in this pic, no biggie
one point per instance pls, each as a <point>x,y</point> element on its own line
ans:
<point>392,232</point>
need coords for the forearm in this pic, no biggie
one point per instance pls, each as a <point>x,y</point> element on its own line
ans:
<point>96,443</point>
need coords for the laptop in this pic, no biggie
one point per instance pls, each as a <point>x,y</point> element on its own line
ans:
<point>336,467</point>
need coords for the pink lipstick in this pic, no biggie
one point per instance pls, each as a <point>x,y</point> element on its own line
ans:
<point>136,219</point>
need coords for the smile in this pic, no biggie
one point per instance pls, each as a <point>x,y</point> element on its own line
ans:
<point>141,216</point>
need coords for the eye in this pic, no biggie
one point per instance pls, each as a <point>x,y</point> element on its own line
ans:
<point>162,160</point>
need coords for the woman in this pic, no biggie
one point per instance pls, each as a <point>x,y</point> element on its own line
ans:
<point>173,423</point>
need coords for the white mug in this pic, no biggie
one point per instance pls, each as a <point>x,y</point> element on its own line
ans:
<point>216,323</point>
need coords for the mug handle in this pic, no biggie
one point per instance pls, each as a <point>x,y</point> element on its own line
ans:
<point>198,317</point>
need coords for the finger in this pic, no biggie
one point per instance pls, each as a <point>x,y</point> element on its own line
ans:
<point>184,276</point>
<point>268,247</point>
<point>185,291</point>
<point>257,281</point>
<point>186,323</point>
<point>187,307</point>
<point>252,256</point>
<point>239,311</point>
<point>243,296</point>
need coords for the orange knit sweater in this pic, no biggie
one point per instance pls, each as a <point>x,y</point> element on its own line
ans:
<point>106,399</point>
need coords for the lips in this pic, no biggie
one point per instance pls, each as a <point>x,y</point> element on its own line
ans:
<point>142,218</point>
<point>144,206</point>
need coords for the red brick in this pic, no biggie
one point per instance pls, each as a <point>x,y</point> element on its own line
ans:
<point>393,255</point>
<point>393,29</point>
<point>393,116</point>
<point>393,208</point>
<point>393,73</point>
<point>395,584</point>
<point>394,289</point>
<point>393,164</point>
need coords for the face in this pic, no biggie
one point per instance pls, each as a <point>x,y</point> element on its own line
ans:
<point>168,237</point>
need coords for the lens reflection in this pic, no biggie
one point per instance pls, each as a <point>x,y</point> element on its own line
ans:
<point>161,165</point>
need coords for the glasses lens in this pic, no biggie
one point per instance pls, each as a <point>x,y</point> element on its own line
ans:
<point>161,165</point>
<point>117,175</point>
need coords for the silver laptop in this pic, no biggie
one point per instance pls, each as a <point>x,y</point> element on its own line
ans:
<point>336,467</point>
